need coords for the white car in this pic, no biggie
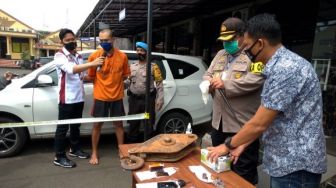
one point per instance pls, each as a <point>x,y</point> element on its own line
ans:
<point>34,98</point>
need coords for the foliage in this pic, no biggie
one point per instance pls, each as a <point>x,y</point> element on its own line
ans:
<point>25,55</point>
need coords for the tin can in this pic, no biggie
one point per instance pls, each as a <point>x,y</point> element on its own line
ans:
<point>223,163</point>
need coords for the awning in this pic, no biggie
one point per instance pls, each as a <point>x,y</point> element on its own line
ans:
<point>164,12</point>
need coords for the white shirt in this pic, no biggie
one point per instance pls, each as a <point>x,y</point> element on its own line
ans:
<point>71,88</point>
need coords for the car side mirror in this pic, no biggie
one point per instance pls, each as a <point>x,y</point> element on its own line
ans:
<point>44,80</point>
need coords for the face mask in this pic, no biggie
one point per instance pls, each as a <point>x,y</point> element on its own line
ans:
<point>231,46</point>
<point>142,57</point>
<point>249,53</point>
<point>107,46</point>
<point>70,46</point>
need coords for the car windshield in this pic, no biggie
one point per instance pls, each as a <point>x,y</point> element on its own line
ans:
<point>46,60</point>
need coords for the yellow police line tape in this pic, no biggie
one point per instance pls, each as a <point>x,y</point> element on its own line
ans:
<point>73,121</point>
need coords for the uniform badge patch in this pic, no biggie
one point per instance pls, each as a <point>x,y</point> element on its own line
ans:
<point>238,75</point>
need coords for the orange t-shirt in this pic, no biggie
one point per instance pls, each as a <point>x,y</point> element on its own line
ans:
<point>108,84</point>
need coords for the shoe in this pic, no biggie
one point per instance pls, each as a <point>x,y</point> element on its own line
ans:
<point>80,154</point>
<point>64,162</point>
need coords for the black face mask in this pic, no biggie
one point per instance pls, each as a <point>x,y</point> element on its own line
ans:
<point>250,54</point>
<point>142,57</point>
<point>70,46</point>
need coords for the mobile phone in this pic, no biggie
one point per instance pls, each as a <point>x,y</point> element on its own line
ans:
<point>167,185</point>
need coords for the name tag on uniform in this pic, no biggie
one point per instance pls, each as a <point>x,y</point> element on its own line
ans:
<point>257,68</point>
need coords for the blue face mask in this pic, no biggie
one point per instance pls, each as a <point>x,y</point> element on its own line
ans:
<point>231,46</point>
<point>107,46</point>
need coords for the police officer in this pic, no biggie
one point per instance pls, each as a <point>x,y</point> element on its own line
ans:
<point>137,91</point>
<point>235,84</point>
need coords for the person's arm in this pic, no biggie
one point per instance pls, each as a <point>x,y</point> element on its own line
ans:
<point>83,67</point>
<point>159,101</point>
<point>249,132</point>
<point>254,127</point>
<point>91,73</point>
<point>126,69</point>
<point>62,63</point>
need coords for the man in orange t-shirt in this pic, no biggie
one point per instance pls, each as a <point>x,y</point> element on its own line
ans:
<point>108,88</point>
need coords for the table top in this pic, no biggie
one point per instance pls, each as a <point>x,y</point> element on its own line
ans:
<point>230,179</point>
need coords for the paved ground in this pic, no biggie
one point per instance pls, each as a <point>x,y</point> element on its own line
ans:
<point>17,71</point>
<point>33,168</point>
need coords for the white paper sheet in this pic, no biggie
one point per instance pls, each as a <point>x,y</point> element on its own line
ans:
<point>145,175</point>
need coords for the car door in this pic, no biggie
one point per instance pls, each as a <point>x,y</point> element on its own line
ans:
<point>187,78</point>
<point>168,80</point>
<point>169,87</point>
<point>45,102</point>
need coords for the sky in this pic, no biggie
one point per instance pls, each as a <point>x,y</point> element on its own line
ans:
<point>50,15</point>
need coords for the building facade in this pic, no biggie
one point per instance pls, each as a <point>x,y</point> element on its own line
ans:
<point>16,37</point>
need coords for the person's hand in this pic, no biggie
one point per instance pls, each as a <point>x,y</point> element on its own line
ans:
<point>99,61</point>
<point>215,152</point>
<point>8,75</point>
<point>158,106</point>
<point>217,83</point>
<point>235,153</point>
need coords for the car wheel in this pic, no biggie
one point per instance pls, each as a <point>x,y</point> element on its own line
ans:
<point>12,140</point>
<point>174,122</point>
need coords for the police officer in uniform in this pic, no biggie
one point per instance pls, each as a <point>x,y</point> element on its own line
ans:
<point>137,91</point>
<point>234,78</point>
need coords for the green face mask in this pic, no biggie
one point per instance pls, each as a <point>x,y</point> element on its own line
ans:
<point>231,46</point>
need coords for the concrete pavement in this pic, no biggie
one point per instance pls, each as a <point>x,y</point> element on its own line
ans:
<point>33,168</point>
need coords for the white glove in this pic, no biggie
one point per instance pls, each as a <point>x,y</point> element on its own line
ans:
<point>204,86</point>
<point>223,77</point>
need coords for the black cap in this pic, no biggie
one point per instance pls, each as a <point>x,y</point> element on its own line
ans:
<point>230,27</point>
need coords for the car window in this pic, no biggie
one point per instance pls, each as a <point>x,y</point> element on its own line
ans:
<point>45,60</point>
<point>53,74</point>
<point>133,58</point>
<point>181,69</point>
<point>159,63</point>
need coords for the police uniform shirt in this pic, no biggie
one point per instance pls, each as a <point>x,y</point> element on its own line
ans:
<point>242,88</point>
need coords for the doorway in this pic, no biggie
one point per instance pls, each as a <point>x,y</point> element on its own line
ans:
<point>3,47</point>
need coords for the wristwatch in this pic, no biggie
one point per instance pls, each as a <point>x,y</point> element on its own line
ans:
<point>227,143</point>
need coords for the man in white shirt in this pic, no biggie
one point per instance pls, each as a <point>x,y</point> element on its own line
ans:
<point>70,69</point>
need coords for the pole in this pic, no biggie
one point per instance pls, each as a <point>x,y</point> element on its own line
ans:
<point>148,72</point>
<point>94,34</point>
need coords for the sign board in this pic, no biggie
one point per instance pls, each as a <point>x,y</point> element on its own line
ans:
<point>122,14</point>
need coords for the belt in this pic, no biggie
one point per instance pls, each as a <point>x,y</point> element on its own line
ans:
<point>140,96</point>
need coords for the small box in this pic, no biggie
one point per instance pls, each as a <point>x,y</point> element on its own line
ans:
<point>223,163</point>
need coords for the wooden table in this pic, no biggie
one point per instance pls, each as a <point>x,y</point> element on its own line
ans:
<point>230,179</point>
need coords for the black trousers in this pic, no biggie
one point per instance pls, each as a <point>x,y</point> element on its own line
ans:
<point>137,105</point>
<point>68,111</point>
<point>247,163</point>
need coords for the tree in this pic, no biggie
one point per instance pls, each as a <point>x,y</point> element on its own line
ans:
<point>25,56</point>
